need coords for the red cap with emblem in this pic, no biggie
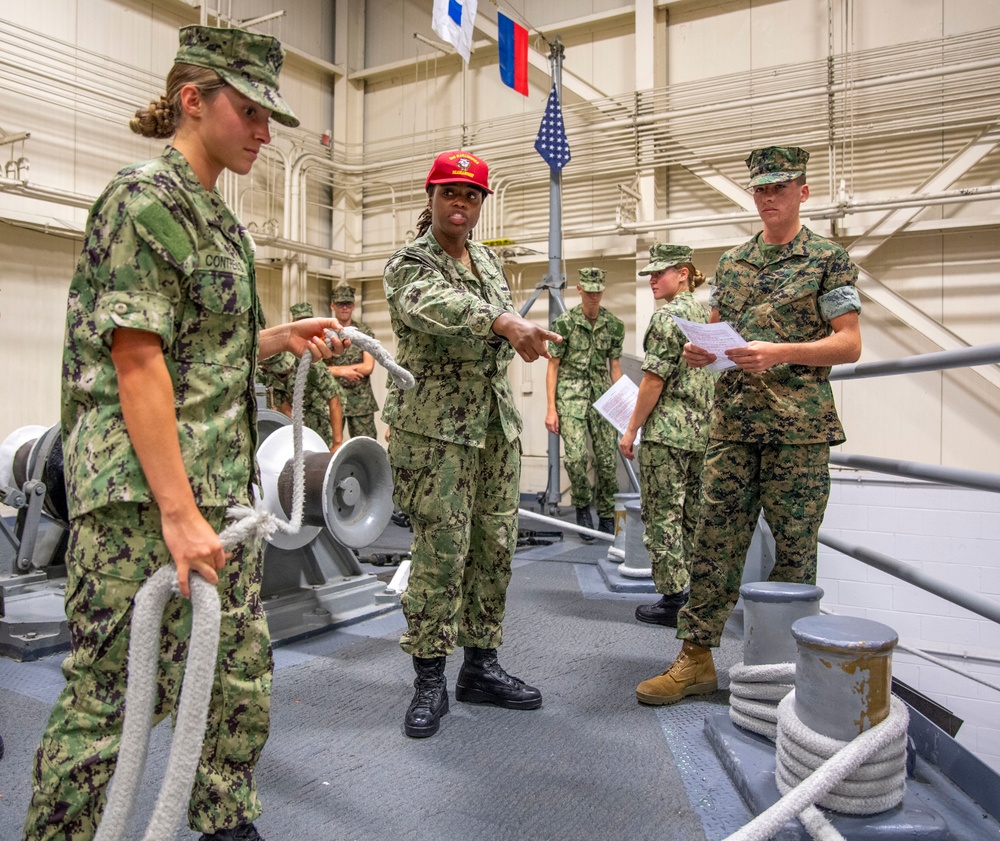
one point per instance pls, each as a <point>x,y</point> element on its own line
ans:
<point>457,167</point>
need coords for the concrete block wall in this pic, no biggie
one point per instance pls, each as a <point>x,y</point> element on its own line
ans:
<point>952,534</point>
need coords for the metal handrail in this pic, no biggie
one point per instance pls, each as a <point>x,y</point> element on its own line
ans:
<point>978,480</point>
<point>939,361</point>
<point>975,479</point>
<point>985,607</point>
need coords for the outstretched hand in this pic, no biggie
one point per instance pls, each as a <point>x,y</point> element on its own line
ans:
<point>312,333</point>
<point>530,340</point>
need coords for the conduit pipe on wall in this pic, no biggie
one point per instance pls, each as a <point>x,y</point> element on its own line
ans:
<point>829,211</point>
<point>292,241</point>
<point>33,191</point>
<point>819,90</point>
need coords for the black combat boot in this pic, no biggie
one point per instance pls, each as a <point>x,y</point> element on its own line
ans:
<point>584,519</point>
<point>430,701</point>
<point>243,832</point>
<point>482,680</point>
<point>606,524</point>
<point>663,612</point>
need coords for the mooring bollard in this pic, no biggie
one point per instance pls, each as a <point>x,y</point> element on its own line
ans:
<point>767,673</point>
<point>616,551</point>
<point>636,563</point>
<point>769,610</point>
<point>843,674</point>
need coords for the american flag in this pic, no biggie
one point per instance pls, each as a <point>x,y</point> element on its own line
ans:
<point>551,142</point>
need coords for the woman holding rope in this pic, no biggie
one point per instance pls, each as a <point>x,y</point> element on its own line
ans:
<point>163,330</point>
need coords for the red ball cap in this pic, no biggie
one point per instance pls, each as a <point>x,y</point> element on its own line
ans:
<point>455,167</point>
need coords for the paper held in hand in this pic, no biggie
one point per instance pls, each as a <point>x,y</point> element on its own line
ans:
<point>715,338</point>
<point>617,404</point>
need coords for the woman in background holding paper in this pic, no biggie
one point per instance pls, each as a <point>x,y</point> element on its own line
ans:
<point>672,409</point>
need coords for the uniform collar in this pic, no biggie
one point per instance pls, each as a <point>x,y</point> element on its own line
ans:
<point>223,218</point>
<point>577,315</point>
<point>751,252</point>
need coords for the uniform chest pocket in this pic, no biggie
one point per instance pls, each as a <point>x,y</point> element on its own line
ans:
<point>796,310</point>
<point>603,342</point>
<point>215,326</point>
<point>224,290</point>
<point>732,301</point>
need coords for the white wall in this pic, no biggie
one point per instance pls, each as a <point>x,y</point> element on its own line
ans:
<point>948,533</point>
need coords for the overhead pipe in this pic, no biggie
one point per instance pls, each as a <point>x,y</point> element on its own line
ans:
<point>629,228</point>
<point>827,211</point>
<point>665,117</point>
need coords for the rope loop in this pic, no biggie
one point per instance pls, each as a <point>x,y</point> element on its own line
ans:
<point>140,701</point>
<point>400,376</point>
<point>820,780</point>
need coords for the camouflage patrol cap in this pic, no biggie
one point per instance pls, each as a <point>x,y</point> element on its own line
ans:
<point>302,310</point>
<point>776,164</point>
<point>246,61</point>
<point>592,280</point>
<point>342,295</point>
<point>663,256</point>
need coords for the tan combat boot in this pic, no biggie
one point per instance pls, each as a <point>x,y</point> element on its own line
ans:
<point>692,673</point>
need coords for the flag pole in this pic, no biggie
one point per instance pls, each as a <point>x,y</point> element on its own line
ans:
<point>555,280</point>
<point>555,151</point>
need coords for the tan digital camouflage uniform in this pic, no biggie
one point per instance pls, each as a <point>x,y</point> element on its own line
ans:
<point>164,255</point>
<point>771,432</point>
<point>454,447</point>
<point>672,446</point>
<point>583,376</point>
<point>358,400</point>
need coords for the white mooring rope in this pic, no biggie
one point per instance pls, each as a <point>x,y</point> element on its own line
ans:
<point>754,693</point>
<point>140,696</point>
<point>143,654</point>
<point>862,777</point>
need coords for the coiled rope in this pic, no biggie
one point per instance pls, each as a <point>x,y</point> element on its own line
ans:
<point>754,693</point>
<point>140,696</point>
<point>862,777</point>
<point>143,653</point>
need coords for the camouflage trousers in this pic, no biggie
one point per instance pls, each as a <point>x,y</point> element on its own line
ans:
<point>670,482</point>
<point>792,485</point>
<point>360,425</point>
<point>111,553</point>
<point>604,442</point>
<point>462,502</point>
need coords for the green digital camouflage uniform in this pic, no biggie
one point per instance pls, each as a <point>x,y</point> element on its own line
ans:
<point>771,433</point>
<point>164,255</point>
<point>278,373</point>
<point>584,356</point>
<point>672,447</point>
<point>454,448</point>
<point>358,400</point>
